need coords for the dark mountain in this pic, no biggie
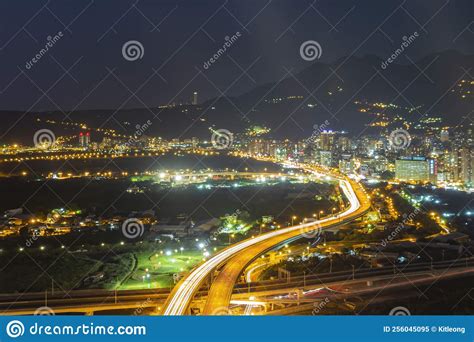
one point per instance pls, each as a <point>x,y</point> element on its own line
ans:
<point>343,93</point>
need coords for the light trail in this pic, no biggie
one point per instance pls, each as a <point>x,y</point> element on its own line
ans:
<point>181,297</point>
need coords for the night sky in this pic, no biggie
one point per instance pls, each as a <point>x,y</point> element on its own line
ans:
<point>85,68</point>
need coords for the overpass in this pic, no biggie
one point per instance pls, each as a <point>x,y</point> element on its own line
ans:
<point>273,296</point>
<point>234,259</point>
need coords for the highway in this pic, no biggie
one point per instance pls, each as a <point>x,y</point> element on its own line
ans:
<point>236,257</point>
<point>279,292</point>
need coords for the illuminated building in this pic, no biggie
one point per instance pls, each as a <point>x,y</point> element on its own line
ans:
<point>416,169</point>
<point>344,144</point>
<point>444,135</point>
<point>325,158</point>
<point>466,166</point>
<point>84,139</point>
<point>326,140</point>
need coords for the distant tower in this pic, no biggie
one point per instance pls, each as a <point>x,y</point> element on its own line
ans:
<point>195,98</point>
<point>84,139</point>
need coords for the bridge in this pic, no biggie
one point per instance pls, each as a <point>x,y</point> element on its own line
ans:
<point>232,261</point>
<point>271,297</point>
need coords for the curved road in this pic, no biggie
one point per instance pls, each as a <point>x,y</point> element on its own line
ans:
<point>238,256</point>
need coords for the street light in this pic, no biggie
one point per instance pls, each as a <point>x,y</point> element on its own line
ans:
<point>293,218</point>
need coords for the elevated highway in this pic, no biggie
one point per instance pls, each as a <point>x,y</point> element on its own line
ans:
<point>276,294</point>
<point>233,260</point>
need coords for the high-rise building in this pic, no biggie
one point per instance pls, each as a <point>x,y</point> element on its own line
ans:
<point>195,98</point>
<point>84,139</point>
<point>326,140</point>
<point>346,164</point>
<point>325,158</point>
<point>344,144</point>
<point>416,169</point>
<point>466,166</point>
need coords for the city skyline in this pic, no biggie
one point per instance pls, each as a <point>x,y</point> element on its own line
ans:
<point>169,158</point>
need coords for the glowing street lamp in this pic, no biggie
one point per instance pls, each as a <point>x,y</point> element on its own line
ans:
<point>293,218</point>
